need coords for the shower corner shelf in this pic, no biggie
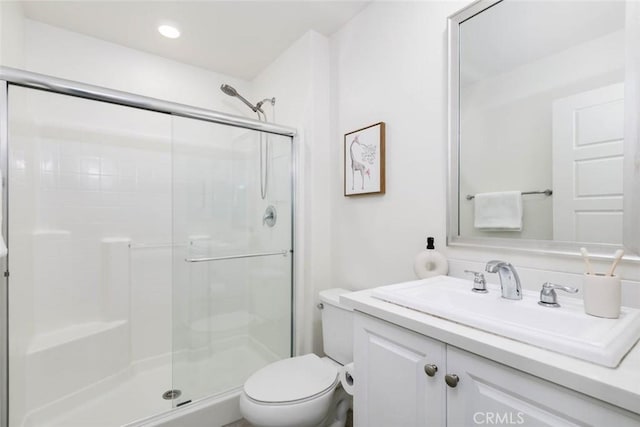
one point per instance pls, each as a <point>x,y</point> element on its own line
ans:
<point>60,337</point>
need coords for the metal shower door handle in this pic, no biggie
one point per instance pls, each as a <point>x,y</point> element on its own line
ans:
<point>222,258</point>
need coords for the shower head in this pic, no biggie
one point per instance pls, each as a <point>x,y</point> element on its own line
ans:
<point>230,90</point>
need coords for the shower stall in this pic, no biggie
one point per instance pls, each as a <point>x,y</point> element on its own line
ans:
<point>142,274</point>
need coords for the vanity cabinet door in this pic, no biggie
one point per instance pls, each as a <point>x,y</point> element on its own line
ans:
<point>396,381</point>
<point>489,393</point>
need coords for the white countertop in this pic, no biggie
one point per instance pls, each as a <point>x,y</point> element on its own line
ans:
<point>618,386</point>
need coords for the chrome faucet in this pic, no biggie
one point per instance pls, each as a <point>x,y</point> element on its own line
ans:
<point>509,280</point>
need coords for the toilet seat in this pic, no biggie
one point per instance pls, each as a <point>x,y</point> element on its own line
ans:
<point>293,403</point>
<point>292,380</point>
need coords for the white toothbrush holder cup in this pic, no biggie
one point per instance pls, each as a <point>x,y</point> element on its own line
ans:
<point>601,295</point>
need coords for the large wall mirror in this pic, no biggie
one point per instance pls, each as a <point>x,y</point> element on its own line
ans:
<point>538,141</point>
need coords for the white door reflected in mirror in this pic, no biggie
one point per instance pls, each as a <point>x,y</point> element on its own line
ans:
<point>588,140</point>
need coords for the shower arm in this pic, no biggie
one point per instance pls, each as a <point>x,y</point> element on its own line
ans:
<point>271,101</point>
<point>254,108</point>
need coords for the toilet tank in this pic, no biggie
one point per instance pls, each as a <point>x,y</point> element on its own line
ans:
<point>337,326</point>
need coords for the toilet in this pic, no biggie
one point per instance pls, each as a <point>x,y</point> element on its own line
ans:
<point>305,391</point>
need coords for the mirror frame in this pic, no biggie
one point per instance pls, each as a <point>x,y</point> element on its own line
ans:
<point>543,247</point>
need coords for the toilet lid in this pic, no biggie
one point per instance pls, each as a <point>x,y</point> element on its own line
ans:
<point>291,379</point>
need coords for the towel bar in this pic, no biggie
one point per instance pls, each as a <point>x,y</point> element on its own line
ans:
<point>546,192</point>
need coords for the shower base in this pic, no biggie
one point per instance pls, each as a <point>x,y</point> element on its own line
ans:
<point>131,397</point>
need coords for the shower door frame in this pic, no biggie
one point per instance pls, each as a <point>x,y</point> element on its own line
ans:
<point>4,263</point>
<point>12,76</point>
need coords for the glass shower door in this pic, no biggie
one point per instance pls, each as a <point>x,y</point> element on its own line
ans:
<point>90,256</point>
<point>232,284</point>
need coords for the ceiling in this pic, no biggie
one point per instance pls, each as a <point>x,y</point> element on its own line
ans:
<point>513,33</point>
<point>237,38</point>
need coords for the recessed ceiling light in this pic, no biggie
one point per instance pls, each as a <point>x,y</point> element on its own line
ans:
<point>169,31</point>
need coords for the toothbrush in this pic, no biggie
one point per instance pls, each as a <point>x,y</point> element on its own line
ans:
<point>616,259</point>
<point>585,255</point>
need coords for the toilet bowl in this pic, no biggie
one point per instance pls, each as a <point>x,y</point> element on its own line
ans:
<point>305,391</point>
<point>298,392</point>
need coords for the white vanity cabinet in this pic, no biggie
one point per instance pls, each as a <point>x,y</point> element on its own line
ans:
<point>492,393</point>
<point>394,388</point>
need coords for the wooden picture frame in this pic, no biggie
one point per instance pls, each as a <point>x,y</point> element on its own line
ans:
<point>364,161</point>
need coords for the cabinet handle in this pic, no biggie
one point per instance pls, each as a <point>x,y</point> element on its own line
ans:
<point>430,369</point>
<point>452,380</point>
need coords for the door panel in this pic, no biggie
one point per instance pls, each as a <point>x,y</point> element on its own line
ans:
<point>489,393</point>
<point>588,131</point>
<point>232,300</point>
<point>392,387</point>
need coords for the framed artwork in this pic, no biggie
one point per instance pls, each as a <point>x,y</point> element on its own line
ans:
<point>364,161</point>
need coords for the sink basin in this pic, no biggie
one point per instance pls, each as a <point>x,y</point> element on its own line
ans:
<point>566,329</point>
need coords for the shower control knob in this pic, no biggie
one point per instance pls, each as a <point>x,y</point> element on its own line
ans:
<point>430,369</point>
<point>452,380</point>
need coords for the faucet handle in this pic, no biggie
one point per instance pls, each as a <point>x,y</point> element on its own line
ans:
<point>551,286</point>
<point>548,296</point>
<point>479,283</point>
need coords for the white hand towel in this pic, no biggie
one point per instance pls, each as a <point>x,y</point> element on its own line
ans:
<point>499,211</point>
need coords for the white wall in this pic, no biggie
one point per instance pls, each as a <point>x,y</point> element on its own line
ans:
<point>11,34</point>
<point>60,53</point>
<point>389,64</point>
